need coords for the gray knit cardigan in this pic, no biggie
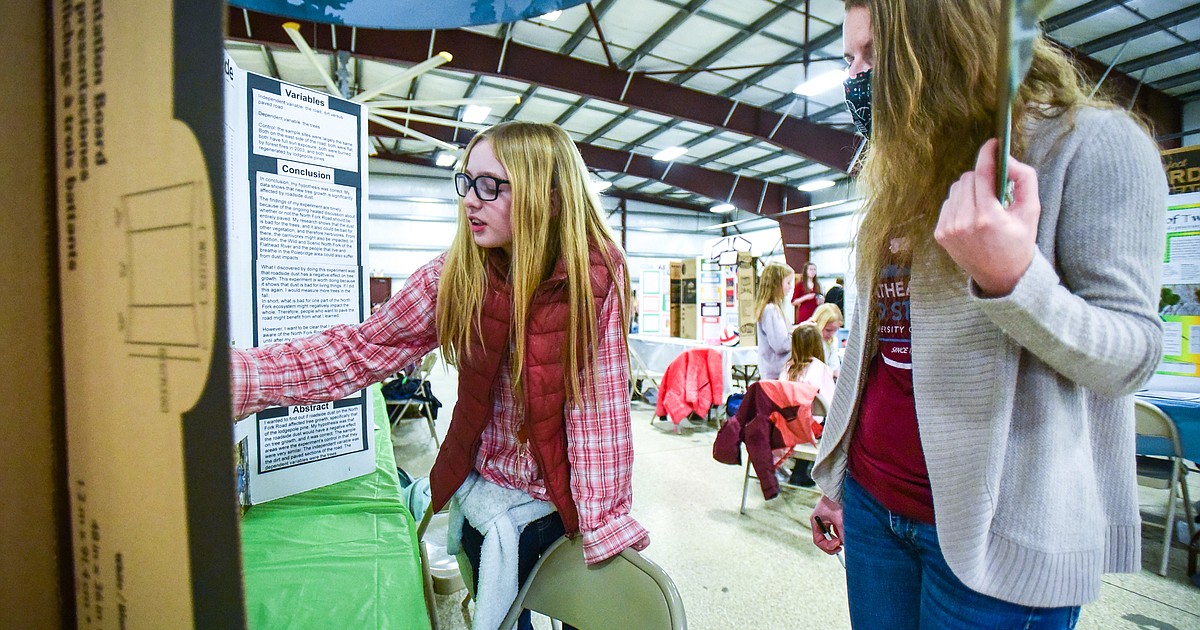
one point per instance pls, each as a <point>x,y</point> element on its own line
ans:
<point>1024,402</point>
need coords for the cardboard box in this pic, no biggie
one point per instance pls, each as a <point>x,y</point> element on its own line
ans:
<point>747,283</point>
<point>689,321</point>
<point>676,276</point>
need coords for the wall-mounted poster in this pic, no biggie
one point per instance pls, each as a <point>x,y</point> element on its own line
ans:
<point>1179,304</point>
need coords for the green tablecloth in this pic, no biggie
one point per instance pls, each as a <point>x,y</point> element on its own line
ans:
<point>342,556</point>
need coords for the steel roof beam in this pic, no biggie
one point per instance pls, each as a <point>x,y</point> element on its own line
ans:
<point>817,43</point>
<point>1162,56</point>
<point>478,53</point>
<point>1147,27</point>
<point>581,33</point>
<point>765,20</point>
<point>1177,80</point>
<point>1078,14</point>
<point>661,34</point>
<point>689,177</point>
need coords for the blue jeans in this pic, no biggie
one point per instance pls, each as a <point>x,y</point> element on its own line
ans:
<point>896,577</point>
<point>535,538</point>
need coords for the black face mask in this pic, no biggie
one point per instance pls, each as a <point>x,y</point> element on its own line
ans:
<point>858,101</point>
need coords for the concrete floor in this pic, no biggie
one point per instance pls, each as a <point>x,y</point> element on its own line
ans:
<point>761,568</point>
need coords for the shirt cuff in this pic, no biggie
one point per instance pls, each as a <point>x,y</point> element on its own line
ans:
<point>244,382</point>
<point>611,538</point>
<point>1038,278</point>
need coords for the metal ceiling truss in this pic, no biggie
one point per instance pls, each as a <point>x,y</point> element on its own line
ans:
<point>747,193</point>
<point>477,53</point>
<point>1147,27</point>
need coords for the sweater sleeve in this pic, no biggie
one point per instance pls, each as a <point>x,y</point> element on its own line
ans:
<point>1091,314</point>
<point>600,447</point>
<point>332,364</point>
<point>775,329</point>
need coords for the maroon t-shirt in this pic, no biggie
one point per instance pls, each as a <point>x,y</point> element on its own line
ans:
<point>885,451</point>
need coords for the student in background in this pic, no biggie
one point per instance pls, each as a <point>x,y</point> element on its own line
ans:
<point>978,457</point>
<point>531,304</point>
<point>806,295</point>
<point>805,363</point>
<point>774,336</point>
<point>836,294</point>
<point>828,320</point>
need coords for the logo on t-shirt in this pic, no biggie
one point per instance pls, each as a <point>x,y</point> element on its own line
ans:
<point>895,339</point>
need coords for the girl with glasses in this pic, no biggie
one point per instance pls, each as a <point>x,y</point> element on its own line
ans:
<point>531,304</point>
<point>978,455</point>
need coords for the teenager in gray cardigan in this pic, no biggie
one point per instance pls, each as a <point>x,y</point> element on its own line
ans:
<point>1023,331</point>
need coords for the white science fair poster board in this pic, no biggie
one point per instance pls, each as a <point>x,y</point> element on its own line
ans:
<point>297,182</point>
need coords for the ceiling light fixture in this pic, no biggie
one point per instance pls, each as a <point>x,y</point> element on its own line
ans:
<point>476,113</point>
<point>821,83</point>
<point>817,184</point>
<point>723,208</point>
<point>669,153</point>
<point>551,16</point>
<point>445,159</point>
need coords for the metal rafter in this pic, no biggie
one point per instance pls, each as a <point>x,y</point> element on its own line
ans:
<point>753,28</point>
<point>662,33</point>
<point>581,33</point>
<point>1162,56</point>
<point>476,53</point>
<point>516,109</point>
<point>817,43</point>
<point>705,182</point>
<point>1078,14</point>
<point>1177,80</point>
<point>1162,22</point>
<point>565,116</point>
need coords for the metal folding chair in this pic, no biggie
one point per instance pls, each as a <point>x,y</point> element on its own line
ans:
<point>398,407</point>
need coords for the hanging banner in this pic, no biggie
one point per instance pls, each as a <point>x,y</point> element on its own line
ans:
<point>407,15</point>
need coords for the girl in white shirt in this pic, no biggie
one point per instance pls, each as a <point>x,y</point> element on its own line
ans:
<point>806,363</point>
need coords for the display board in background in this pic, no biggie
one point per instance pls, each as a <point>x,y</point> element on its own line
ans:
<point>297,252</point>
<point>1183,169</point>
<point>139,166</point>
<point>653,313</point>
<point>1179,303</point>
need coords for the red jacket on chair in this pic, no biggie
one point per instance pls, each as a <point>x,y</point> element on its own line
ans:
<point>693,382</point>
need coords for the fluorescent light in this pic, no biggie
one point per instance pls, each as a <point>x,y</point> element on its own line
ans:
<point>551,16</point>
<point>669,153</point>
<point>816,184</point>
<point>445,159</point>
<point>601,185</point>
<point>821,83</point>
<point>476,113</point>
<point>724,208</point>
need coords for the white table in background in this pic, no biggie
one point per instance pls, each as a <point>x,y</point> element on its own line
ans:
<point>658,352</point>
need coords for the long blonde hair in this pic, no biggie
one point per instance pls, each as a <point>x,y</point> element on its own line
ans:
<point>933,105</point>
<point>770,288</point>
<point>824,314</point>
<point>806,346</point>
<point>555,215</point>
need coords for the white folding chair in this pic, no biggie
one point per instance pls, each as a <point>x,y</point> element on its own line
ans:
<point>1163,473</point>
<point>806,452</point>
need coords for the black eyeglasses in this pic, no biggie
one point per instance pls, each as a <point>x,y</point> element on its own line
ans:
<point>487,188</point>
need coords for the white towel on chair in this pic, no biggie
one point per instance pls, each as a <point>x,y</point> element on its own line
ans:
<point>500,514</point>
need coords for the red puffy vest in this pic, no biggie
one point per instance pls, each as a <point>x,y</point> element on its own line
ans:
<point>544,388</point>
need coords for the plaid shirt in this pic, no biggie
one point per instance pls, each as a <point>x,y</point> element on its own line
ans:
<point>343,359</point>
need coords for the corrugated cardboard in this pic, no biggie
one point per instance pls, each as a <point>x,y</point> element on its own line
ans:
<point>747,282</point>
